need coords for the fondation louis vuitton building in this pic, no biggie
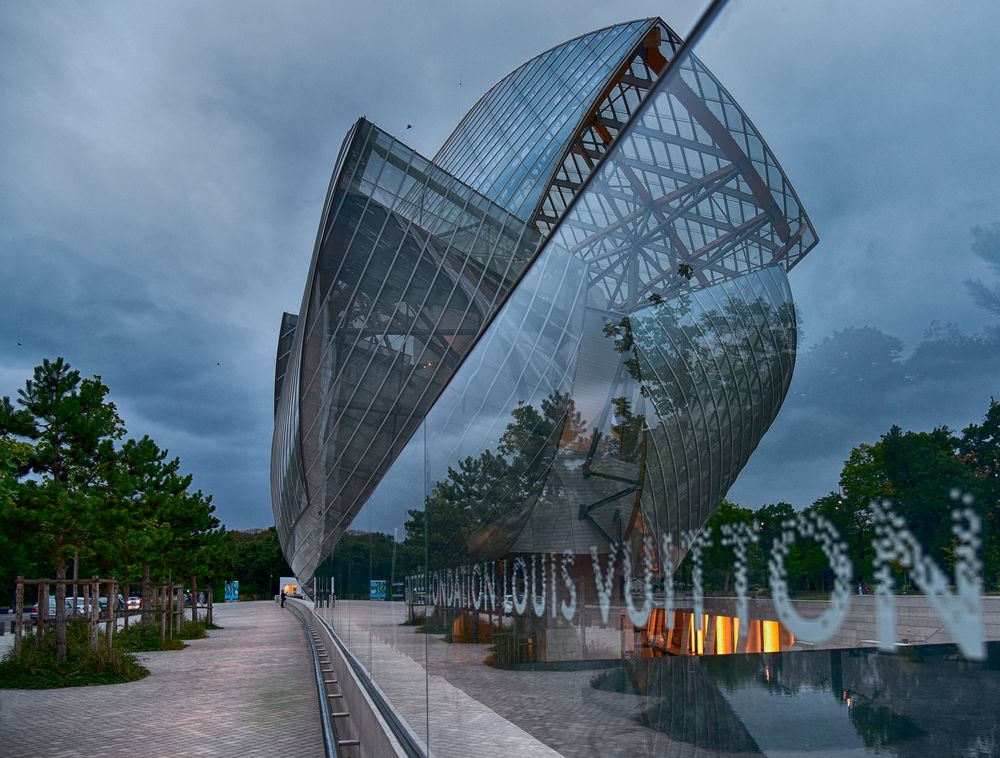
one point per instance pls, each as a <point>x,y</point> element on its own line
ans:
<point>552,346</point>
<point>523,377</point>
<point>579,306</point>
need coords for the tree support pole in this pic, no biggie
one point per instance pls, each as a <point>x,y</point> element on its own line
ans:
<point>95,610</point>
<point>18,616</point>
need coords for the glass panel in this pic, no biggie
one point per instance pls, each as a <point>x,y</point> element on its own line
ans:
<point>660,479</point>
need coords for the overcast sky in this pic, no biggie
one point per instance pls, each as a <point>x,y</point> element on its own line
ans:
<point>162,172</point>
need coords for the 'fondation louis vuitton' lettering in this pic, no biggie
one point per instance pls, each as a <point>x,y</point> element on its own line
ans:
<point>484,586</point>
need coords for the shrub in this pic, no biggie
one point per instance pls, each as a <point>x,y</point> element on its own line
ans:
<point>145,638</point>
<point>191,630</point>
<point>37,668</point>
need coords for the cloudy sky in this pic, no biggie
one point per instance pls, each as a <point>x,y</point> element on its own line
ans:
<point>163,167</point>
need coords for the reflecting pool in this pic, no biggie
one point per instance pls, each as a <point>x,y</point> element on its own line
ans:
<point>922,701</point>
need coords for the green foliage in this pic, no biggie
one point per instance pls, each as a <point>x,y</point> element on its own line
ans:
<point>145,638</point>
<point>917,472</point>
<point>362,556</point>
<point>191,630</point>
<point>70,488</point>
<point>70,429</point>
<point>979,449</point>
<point>718,560</point>
<point>38,668</point>
<point>256,560</point>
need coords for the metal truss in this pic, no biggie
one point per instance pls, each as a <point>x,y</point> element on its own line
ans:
<point>694,197</point>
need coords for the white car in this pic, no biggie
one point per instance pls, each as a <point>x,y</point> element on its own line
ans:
<point>51,613</point>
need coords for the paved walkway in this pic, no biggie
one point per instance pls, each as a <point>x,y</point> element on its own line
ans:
<point>247,690</point>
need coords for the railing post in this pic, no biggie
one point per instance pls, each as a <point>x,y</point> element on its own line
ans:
<point>43,608</point>
<point>112,598</point>
<point>84,589</point>
<point>19,616</point>
<point>95,609</point>
<point>194,598</point>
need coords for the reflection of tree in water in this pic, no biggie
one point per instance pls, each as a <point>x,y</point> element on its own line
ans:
<point>478,509</point>
<point>689,707</point>
<point>881,728</point>
<point>924,702</point>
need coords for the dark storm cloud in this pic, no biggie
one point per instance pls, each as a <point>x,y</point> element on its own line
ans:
<point>851,388</point>
<point>162,171</point>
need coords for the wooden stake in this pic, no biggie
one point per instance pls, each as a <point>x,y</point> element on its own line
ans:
<point>19,616</point>
<point>95,609</point>
<point>43,607</point>
<point>112,598</point>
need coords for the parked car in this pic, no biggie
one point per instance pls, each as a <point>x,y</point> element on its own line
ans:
<point>134,603</point>
<point>51,612</point>
<point>102,604</point>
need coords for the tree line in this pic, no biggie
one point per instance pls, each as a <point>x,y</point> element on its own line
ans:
<point>74,488</point>
<point>920,473</point>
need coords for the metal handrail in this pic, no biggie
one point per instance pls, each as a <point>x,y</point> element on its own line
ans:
<point>407,740</point>
<point>329,740</point>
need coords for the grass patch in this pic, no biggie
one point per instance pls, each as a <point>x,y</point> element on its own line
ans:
<point>37,668</point>
<point>191,630</point>
<point>212,627</point>
<point>433,624</point>
<point>145,639</point>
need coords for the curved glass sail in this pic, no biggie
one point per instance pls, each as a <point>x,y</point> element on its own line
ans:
<point>414,257</point>
<point>508,144</point>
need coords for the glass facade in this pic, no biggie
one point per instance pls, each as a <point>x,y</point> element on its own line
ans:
<point>409,266</point>
<point>525,376</point>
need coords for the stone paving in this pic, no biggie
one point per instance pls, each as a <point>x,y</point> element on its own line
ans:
<point>247,690</point>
